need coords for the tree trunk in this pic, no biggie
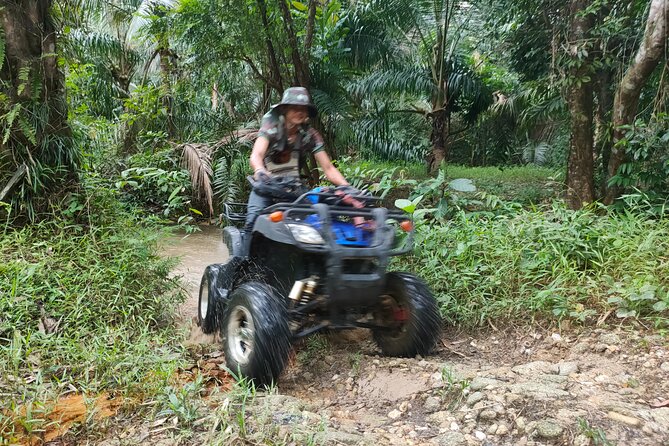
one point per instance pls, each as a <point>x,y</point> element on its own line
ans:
<point>274,67</point>
<point>301,67</point>
<point>579,95</point>
<point>603,136</point>
<point>626,101</point>
<point>439,141</point>
<point>166,78</point>
<point>34,87</point>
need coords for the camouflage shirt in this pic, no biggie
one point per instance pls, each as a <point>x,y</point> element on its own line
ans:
<point>282,157</point>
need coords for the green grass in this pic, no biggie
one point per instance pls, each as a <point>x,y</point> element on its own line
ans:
<point>83,307</point>
<point>526,185</point>
<point>547,263</point>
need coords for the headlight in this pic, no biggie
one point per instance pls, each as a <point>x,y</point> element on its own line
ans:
<point>306,234</point>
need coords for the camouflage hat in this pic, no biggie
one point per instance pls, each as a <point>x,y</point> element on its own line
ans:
<point>297,96</point>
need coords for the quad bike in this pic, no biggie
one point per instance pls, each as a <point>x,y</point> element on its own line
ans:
<point>316,260</point>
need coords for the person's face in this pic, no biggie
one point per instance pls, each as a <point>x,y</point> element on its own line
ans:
<point>296,115</point>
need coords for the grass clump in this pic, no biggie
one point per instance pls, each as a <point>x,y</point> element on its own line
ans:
<point>549,262</point>
<point>85,308</point>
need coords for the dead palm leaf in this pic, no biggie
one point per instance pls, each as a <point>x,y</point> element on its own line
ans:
<point>196,159</point>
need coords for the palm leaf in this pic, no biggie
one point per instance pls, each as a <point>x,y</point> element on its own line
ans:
<point>197,160</point>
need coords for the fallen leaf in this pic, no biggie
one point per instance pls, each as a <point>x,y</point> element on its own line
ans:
<point>658,404</point>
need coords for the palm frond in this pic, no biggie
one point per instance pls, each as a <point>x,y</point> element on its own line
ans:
<point>197,160</point>
<point>412,80</point>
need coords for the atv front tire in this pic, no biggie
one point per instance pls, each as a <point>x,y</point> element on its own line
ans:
<point>209,302</point>
<point>409,311</point>
<point>255,332</point>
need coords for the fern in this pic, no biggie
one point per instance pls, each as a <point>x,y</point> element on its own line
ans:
<point>24,74</point>
<point>2,47</point>
<point>9,118</point>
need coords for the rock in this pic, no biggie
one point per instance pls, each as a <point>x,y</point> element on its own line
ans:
<point>567,368</point>
<point>581,440</point>
<point>664,366</point>
<point>342,438</point>
<point>483,383</point>
<point>442,418</point>
<point>404,406</point>
<point>539,391</point>
<point>581,347</point>
<point>394,414</point>
<point>491,429</point>
<point>548,429</point>
<point>475,398</point>
<point>480,435</point>
<point>488,414</point>
<point>631,421</point>
<point>521,424</point>
<point>455,427</point>
<point>432,404</point>
<point>502,429</point>
<point>535,368</point>
<point>451,439</point>
<point>610,338</point>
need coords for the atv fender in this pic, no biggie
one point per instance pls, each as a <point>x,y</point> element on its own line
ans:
<point>222,277</point>
<point>233,240</point>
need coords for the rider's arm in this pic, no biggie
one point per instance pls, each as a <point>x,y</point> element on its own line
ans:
<point>329,169</point>
<point>257,159</point>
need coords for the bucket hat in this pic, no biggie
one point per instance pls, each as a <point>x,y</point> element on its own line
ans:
<point>297,96</point>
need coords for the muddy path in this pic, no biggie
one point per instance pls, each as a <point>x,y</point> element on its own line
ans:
<point>521,386</point>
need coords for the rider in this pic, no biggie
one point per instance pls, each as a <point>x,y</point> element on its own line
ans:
<point>284,140</point>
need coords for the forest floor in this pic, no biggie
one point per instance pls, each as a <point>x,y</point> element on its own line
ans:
<point>523,385</point>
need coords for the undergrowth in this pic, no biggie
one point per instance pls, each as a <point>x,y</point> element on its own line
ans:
<point>549,262</point>
<point>84,307</point>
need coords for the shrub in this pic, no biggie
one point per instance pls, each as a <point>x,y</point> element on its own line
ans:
<point>549,262</point>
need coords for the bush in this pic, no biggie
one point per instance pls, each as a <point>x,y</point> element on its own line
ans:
<point>544,263</point>
<point>83,306</point>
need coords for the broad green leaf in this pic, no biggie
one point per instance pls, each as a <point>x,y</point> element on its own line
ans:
<point>300,6</point>
<point>660,306</point>
<point>405,205</point>
<point>624,312</point>
<point>462,185</point>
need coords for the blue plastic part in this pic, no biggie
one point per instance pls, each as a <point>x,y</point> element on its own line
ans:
<point>314,198</point>
<point>346,234</point>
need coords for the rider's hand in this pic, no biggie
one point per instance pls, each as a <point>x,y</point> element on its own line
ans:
<point>348,190</point>
<point>262,175</point>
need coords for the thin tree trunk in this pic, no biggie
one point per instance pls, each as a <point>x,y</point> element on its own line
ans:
<point>311,22</point>
<point>626,101</point>
<point>579,95</point>
<point>439,144</point>
<point>603,135</point>
<point>301,72</point>
<point>274,67</point>
<point>168,100</point>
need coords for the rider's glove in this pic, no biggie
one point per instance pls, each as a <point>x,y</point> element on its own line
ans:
<point>348,190</point>
<point>261,175</point>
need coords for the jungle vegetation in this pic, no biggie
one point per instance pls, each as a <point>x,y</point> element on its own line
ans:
<point>529,138</point>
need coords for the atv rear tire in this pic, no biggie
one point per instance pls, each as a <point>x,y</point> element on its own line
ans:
<point>256,337</point>
<point>208,305</point>
<point>410,310</point>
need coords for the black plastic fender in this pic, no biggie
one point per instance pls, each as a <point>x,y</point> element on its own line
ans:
<point>216,281</point>
<point>233,240</point>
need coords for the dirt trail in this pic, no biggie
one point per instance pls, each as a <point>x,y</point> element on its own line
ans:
<point>515,388</point>
<point>195,251</point>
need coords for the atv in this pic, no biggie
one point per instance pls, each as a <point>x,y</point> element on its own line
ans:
<point>316,260</point>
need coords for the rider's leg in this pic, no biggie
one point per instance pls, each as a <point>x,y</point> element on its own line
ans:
<point>255,205</point>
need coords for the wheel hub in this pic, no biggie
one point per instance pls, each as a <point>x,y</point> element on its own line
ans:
<point>241,332</point>
<point>204,299</point>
